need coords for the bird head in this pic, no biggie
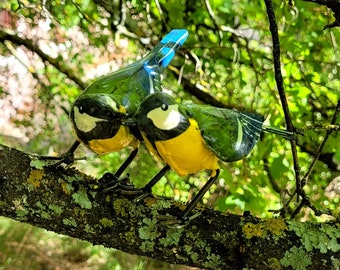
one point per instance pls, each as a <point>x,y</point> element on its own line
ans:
<point>160,117</point>
<point>96,116</point>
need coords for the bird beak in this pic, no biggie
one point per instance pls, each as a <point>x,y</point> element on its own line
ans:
<point>129,122</point>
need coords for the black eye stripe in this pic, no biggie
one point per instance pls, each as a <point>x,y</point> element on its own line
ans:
<point>164,107</point>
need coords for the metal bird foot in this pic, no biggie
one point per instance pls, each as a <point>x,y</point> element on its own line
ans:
<point>67,158</point>
<point>176,222</point>
<point>110,183</point>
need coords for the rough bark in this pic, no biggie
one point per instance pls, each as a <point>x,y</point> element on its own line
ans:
<point>69,202</point>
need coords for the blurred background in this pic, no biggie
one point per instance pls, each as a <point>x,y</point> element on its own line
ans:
<point>52,50</point>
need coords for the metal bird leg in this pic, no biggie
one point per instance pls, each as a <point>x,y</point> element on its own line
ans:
<point>184,219</point>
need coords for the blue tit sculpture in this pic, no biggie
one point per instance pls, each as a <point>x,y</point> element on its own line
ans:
<point>190,138</point>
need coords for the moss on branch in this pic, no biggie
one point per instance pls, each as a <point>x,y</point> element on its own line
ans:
<point>69,202</point>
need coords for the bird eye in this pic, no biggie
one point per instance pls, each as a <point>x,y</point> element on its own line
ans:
<point>81,109</point>
<point>164,107</point>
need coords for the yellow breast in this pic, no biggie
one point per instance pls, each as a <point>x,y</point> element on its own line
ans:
<point>186,153</point>
<point>122,139</point>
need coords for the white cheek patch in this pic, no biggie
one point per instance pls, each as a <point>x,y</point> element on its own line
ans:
<point>167,119</point>
<point>85,122</point>
<point>109,101</point>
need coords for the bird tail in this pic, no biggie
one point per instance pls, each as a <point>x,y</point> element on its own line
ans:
<point>161,55</point>
<point>281,132</point>
<point>253,124</point>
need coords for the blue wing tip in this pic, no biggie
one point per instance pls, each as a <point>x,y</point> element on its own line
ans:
<point>177,36</point>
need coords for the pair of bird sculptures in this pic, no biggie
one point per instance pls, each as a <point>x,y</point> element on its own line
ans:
<point>128,107</point>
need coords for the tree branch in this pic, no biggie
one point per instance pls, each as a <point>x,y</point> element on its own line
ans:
<point>199,94</point>
<point>13,37</point>
<point>280,88</point>
<point>326,158</point>
<point>68,202</point>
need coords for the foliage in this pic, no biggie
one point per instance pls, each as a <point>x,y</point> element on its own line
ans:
<point>228,56</point>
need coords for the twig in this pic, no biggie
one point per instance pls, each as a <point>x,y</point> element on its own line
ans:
<point>13,37</point>
<point>318,156</point>
<point>213,18</point>
<point>322,145</point>
<point>9,46</point>
<point>280,88</point>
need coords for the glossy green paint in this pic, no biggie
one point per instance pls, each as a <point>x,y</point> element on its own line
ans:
<point>231,135</point>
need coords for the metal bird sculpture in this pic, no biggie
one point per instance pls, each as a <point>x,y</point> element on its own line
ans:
<point>190,138</point>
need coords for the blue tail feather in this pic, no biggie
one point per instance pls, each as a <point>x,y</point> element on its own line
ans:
<point>168,53</point>
<point>178,36</point>
<point>161,56</point>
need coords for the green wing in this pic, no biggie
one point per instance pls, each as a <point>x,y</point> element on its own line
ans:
<point>130,85</point>
<point>231,135</point>
<point>127,86</point>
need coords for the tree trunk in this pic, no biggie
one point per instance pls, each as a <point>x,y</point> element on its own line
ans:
<point>69,202</point>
